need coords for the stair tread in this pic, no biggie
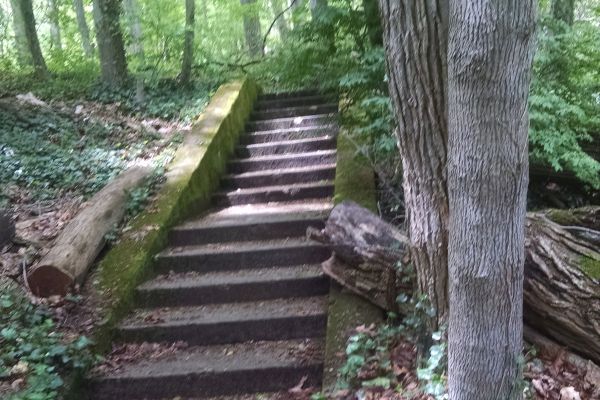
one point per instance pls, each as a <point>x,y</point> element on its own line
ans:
<point>276,188</point>
<point>266,209</point>
<point>248,356</point>
<point>277,157</point>
<point>295,120</point>
<point>228,312</point>
<point>208,279</point>
<point>293,129</point>
<point>316,139</point>
<point>288,170</point>
<point>238,247</point>
<point>214,221</point>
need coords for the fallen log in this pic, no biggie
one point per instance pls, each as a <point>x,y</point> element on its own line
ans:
<point>80,242</point>
<point>561,287</point>
<point>7,228</point>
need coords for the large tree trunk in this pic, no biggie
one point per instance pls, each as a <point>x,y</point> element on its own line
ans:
<point>252,28</point>
<point>415,34</point>
<point>564,10</point>
<point>80,242</point>
<point>84,30</point>
<point>110,41</point>
<point>188,46</point>
<point>490,56</point>
<point>23,55</point>
<point>33,44</point>
<point>53,18</point>
<point>561,280</point>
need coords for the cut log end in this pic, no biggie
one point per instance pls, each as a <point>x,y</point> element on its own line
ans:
<point>46,281</point>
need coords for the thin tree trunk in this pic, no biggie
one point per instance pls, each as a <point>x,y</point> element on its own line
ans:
<point>252,29</point>
<point>490,53</point>
<point>84,30</point>
<point>23,55</point>
<point>137,47</point>
<point>54,25</point>
<point>33,43</point>
<point>564,10</point>
<point>414,33</point>
<point>316,7</point>
<point>282,27</point>
<point>188,46</point>
<point>373,22</point>
<point>109,38</point>
<point>135,29</point>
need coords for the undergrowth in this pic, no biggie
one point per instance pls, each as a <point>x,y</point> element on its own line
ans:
<point>33,351</point>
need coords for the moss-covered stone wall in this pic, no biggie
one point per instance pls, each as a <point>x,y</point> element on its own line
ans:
<point>192,178</point>
<point>354,180</point>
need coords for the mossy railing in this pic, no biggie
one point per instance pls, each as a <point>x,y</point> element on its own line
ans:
<point>192,178</point>
<point>354,180</point>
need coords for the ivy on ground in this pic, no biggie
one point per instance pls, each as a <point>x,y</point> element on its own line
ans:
<point>33,353</point>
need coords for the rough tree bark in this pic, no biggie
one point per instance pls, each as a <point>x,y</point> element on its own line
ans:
<point>109,38</point>
<point>84,30</point>
<point>490,55</point>
<point>252,28</point>
<point>33,44</point>
<point>23,55</point>
<point>54,25</point>
<point>414,35</point>
<point>188,46</point>
<point>80,242</point>
<point>561,280</point>
<point>564,10</point>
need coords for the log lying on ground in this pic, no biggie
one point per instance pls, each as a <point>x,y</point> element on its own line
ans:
<point>7,228</point>
<point>80,242</point>
<point>561,288</point>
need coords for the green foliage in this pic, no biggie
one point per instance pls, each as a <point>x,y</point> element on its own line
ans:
<point>32,348</point>
<point>565,99</point>
<point>46,153</point>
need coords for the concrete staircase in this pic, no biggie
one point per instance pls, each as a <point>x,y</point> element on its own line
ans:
<point>241,285</point>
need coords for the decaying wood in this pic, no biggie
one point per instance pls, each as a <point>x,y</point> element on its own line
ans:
<point>7,228</point>
<point>76,248</point>
<point>371,246</point>
<point>561,298</point>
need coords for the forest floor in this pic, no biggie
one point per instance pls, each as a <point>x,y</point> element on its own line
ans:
<point>71,140</point>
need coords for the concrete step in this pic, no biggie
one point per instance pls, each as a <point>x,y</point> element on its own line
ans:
<point>293,122</point>
<point>288,95</point>
<point>192,288</point>
<point>245,227</point>
<point>287,112</point>
<point>280,319</point>
<point>241,255</point>
<point>284,176</point>
<point>287,147</point>
<point>289,134</point>
<point>215,371</point>
<point>291,102</point>
<point>266,194</point>
<point>239,166</point>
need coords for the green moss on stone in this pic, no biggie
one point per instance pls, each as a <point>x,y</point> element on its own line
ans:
<point>354,178</point>
<point>192,177</point>
<point>562,217</point>
<point>591,266</point>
